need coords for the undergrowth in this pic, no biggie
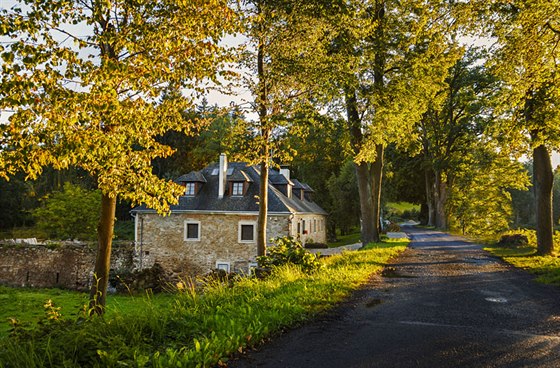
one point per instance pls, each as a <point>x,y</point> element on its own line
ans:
<point>196,328</point>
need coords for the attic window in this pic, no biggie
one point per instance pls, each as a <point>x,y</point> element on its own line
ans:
<point>229,171</point>
<point>215,172</point>
<point>237,189</point>
<point>190,189</point>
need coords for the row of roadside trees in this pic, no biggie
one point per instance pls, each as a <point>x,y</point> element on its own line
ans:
<point>92,84</point>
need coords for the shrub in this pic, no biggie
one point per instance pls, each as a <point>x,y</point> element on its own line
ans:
<point>152,278</point>
<point>70,214</point>
<point>513,240</point>
<point>289,251</point>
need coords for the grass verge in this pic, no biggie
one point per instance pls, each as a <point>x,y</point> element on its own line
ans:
<point>341,240</point>
<point>547,268</point>
<point>194,329</point>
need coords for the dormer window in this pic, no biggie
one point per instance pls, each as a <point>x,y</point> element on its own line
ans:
<point>193,182</point>
<point>190,189</point>
<point>237,189</point>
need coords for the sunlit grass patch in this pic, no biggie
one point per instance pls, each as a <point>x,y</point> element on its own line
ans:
<point>547,268</point>
<point>198,327</point>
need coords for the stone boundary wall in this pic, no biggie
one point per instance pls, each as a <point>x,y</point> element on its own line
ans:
<point>67,266</point>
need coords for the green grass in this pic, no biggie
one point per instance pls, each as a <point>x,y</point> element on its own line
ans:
<point>352,238</point>
<point>547,268</point>
<point>194,328</point>
<point>26,305</point>
<point>400,207</point>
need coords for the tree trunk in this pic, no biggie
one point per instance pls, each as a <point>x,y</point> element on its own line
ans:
<point>543,178</point>
<point>368,230</point>
<point>377,178</point>
<point>430,197</point>
<point>440,198</point>
<point>263,210</point>
<point>98,293</point>
<point>265,134</point>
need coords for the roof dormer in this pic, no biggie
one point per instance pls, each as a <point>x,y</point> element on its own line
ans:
<point>281,182</point>
<point>238,182</point>
<point>192,182</point>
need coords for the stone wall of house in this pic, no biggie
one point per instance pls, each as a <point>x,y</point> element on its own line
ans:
<point>163,241</point>
<point>69,266</point>
<point>314,230</point>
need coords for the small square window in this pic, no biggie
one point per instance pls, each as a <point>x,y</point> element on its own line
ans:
<point>190,189</point>
<point>237,189</point>
<point>247,232</point>
<point>192,230</point>
<point>222,266</point>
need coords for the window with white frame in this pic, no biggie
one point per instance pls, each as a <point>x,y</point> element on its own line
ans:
<point>190,189</point>
<point>237,189</point>
<point>222,266</point>
<point>192,230</point>
<point>247,231</point>
<point>252,267</point>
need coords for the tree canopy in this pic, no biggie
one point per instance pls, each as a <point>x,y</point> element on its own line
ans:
<point>94,100</point>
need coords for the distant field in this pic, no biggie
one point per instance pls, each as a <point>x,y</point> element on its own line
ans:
<point>403,206</point>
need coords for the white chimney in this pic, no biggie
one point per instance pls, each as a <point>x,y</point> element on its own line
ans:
<point>222,172</point>
<point>284,170</point>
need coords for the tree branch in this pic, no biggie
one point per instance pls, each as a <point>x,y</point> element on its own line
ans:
<point>557,31</point>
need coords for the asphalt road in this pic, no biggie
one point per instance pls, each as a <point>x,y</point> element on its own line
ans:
<point>446,304</point>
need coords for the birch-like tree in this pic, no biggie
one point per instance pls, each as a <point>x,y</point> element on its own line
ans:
<point>84,79</point>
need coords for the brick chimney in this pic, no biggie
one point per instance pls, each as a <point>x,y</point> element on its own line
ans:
<point>222,176</point>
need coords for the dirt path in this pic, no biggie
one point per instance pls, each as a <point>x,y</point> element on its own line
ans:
<point>443,303</point>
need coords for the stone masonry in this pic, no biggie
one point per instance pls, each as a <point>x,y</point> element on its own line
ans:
<point>68,266</point>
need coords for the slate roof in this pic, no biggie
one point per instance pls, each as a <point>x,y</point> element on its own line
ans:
<point>193,176</point>
<point>239,175</point>
<point>207,198</point>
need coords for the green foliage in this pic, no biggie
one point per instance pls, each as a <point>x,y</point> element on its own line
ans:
<point>91,101</point>
<point>69,214</point>
<point>480,201</point>
<point>196,328</point>
<point>287,250</point>
<point>342,189</point>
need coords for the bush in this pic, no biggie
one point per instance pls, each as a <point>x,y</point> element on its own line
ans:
<point>152,278</point>
<point>513,241</point>
<point>289,251</point>
<point>70,214</point>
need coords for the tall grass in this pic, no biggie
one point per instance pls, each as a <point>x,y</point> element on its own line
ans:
<point>196,328</point>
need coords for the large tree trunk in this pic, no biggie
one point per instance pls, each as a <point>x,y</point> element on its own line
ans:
<point>543,178</point>
<point>98,293</point>
<point>377,179</point>
<point>440,198</point>
<point>368,228</point>
<point>363,174</point>
<point>430,197</point>
<point>263,210</point>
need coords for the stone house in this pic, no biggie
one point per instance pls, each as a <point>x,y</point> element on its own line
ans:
<point>214,225</point>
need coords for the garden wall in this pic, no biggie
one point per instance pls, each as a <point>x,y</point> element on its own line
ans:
<point>67,266</point>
